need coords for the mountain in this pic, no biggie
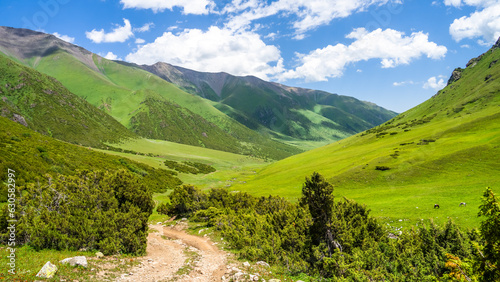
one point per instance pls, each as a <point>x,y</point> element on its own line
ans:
<point>443,151</point>
<point>287,113</point>
<point>144,103</point>
<point>43,104</point>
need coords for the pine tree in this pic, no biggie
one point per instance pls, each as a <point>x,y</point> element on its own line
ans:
<point>490,231</point>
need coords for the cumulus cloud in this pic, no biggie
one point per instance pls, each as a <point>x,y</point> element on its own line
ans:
<point>390,46</point>
<point>196,7</point>
<point>214,50</point>
<point>484,23</point>
<point>139,41</point>
<point>64,37</point>
<point>111,56</point>
<point>309,14</point>
<point>434,83</point>
<point>119,34</point>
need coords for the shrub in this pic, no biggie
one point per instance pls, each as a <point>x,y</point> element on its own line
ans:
<point>93,210</point>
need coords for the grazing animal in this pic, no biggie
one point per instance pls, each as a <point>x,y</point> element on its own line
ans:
<point>463,204</point>
<point>436,206</point>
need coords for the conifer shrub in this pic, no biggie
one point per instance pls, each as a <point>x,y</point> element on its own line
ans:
<point>339,239</point>
<point>96,210</point>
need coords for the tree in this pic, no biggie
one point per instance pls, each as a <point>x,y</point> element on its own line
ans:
<point>317,197</point>
<point>490,232</point>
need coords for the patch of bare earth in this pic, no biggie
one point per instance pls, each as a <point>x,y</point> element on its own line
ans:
<point>168,258</point>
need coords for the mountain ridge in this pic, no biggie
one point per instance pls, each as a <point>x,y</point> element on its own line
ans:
<point>121,91</point>
<point>234,93</point>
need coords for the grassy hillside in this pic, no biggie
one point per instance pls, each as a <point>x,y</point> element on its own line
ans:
<point>125,92</point>
<point>228,165</point>
<point>32,155</point>
<point>444,151</point>
<point>46,106</point>
<point>152,108</point>
<point>302,117</point>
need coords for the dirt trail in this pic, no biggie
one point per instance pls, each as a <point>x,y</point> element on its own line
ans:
<point>165,257</point>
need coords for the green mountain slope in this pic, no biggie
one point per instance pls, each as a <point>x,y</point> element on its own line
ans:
<point>444,151</point>
<point>136,98</point>
<point>32,155</point>
<point>45,105</point>
<point>286,113</point>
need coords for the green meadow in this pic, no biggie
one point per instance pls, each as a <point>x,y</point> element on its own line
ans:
<point>444,151</point>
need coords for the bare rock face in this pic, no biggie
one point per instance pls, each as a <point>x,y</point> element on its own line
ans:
<point>19,119</point>
<point>455,75</point>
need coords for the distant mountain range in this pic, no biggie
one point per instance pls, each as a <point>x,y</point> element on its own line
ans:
<point>243,115</point>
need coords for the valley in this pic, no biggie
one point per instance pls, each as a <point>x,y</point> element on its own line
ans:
<point>317,184</point>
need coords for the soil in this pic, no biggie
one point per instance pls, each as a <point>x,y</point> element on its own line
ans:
<point>166,258</point>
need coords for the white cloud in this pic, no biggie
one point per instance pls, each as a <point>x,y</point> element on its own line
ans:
<point>309,14</point>
<point>392,47</point>
<point>434,83</point>
<point>197,7</point>
<point>64,37</point>
<point>478,3</point>
<point>483,24</point>
<point>403,83</point>
<point>214,50</point>
<point>140,41</point>
<point>145,27</point>
<point>111,56</point>
<point>119,34</point>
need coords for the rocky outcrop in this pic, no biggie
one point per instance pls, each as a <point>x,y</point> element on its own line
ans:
<point>455,75</point>
<point>19,119</point>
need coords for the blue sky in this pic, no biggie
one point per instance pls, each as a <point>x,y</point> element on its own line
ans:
<point>395,53</point>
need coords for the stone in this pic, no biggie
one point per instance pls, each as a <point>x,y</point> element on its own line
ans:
<point>79,260</point>
<point>254,277</point>
<point>263,263</point>
<point>246,264</point>
<point>19,119</point>
<point>238,276</point>
<point>48,271</point>
<point>99,254</point>
<point>274,280</point>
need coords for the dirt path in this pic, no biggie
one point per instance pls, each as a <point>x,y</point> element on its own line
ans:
<point>165,259</point>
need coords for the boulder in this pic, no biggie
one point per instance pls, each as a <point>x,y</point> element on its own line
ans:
<point>246,264</point>
<point>99,254</point>
<point>48,271</point>
<point>80,260</point>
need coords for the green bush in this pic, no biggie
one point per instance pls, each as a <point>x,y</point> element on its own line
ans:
<point>95,210</point>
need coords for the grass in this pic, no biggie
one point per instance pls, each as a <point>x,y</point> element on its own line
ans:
<point>146,104</point>
<point>444,151</point>
<point>30,261</point>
